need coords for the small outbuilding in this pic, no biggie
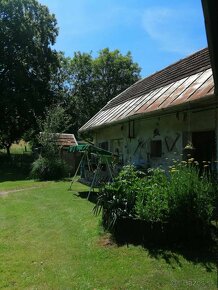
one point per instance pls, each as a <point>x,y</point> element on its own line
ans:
<point>64,141</point>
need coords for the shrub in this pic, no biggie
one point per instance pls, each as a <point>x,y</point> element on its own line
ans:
<point>49,165</point>
<point>117,199</point>
<point>152,203</point>
<point>182,199</point>
<point>191,195</point>
<point>48,169</point>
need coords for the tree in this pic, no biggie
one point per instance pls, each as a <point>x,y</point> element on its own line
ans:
<point>82,105</point>
<point>27,32</point>
<point>114,73</point>
<point>49,164</point>
<point>56,121</point>
<point>95,81</point>
<point>61,79</point>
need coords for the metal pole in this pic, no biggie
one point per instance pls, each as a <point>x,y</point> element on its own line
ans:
<point>77,171</point>
<point>93,181</point>
<point>109,169</point>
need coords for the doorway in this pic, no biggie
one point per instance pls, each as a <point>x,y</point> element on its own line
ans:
<point>205,146</point>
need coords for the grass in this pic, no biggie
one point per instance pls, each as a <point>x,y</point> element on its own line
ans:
<point>50,239</point>
<point>19,148</point>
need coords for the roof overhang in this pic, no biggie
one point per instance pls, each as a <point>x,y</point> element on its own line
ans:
<point>208,102</point>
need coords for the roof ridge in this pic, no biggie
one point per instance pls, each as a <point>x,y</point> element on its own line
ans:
<point>205,50</point>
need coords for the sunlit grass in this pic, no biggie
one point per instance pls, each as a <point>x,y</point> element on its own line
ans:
<point>50,239</point>
<point>20,148</point>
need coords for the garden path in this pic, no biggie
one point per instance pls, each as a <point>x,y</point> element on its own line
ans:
<point>17,190</point>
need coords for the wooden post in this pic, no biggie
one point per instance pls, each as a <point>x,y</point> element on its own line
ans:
<point>210,9</point>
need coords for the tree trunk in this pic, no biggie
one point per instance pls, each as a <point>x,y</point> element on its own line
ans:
<point>8,150</point>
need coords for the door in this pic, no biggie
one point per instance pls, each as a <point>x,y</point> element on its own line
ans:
<point>205,146</point>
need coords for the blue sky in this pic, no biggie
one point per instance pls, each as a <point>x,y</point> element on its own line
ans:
<point>157,33</point>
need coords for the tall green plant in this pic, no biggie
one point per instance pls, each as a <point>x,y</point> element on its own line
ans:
<point>152,203</point>
<point>191,195</point>
<point>49,164</point>
<point>117,199</point>
<point>182,198</point>
<point>56,121</point>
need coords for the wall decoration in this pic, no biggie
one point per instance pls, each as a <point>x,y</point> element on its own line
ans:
<point>156,133</point>
<point>170,143</point>
<point>140,145</point>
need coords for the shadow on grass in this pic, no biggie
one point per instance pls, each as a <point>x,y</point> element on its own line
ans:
<point>197,250</point>
<point>13,173</point>
<point>15,168</point>
<point>85,194</point>
<point>205,255</point>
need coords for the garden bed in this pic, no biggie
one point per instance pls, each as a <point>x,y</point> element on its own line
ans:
<point>158,208</point>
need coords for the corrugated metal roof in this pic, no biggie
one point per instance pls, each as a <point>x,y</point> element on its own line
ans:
<point>185,81</point>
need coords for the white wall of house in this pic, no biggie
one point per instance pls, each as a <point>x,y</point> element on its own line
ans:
<point>172,130</point>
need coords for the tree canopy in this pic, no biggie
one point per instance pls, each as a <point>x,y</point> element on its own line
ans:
<point>33,76</point>
<point>27,33</point>
<point>95,81</point>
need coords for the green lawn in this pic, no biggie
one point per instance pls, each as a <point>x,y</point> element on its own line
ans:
<point>49,239</point>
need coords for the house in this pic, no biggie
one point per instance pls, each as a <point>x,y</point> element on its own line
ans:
<point>168,114</point>
<point>152,121</point>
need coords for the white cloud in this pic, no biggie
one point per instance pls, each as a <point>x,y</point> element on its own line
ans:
<point>173,30</point>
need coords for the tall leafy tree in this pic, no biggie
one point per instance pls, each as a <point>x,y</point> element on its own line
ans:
<point>56,121</point>
<point>61,80</point>
<point>83,92</point>
<point>49,164</point>
<point>95,81</point>
<point>114,73</point>
<point>27,33</point>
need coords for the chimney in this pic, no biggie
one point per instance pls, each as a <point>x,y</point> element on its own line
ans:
<point>210,9</point>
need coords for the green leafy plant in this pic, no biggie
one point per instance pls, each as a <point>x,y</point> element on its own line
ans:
<point>48,169</point>
<point>191,197</point>
<point>49,164</point>
<point>117,199</point>
<point>152,201</point>
<point>181,198</point>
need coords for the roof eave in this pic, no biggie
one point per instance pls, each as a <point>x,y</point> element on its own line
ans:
<point>207,101</point>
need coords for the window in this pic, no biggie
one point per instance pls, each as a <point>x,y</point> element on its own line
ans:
<point>156,148</point>
<point>131,129</point>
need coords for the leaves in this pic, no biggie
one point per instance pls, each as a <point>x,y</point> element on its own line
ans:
<point>91,82</point>
<point>27,32</point>
<point>49,164</point>
<point>182,198</point>
<point>56,121</point>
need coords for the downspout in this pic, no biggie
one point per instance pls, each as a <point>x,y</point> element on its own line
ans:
<point>210,9</point>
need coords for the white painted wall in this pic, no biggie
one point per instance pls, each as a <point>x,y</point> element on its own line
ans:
<point>170,127</point>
